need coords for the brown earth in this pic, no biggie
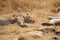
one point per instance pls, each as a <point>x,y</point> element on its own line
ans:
<point>39,10</point>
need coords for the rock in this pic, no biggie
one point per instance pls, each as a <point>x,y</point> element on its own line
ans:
<point>35,34</point>
<point>47,24</point>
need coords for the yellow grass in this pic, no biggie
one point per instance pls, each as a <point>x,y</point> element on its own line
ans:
<point>39,10</point>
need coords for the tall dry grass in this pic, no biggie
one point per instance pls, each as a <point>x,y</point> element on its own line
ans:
<point>9,6</point>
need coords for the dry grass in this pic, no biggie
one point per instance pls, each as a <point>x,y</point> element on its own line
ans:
<point>9,6</point>
<point>39,10</point>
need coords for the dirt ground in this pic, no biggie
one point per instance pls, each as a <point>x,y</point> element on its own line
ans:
<point>39,10</point>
